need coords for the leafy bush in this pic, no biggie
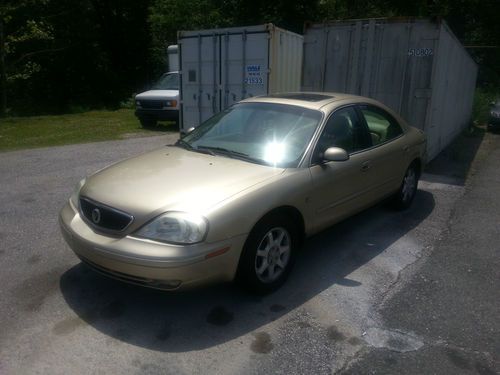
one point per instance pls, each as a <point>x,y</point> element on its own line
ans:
<point>481,106</point>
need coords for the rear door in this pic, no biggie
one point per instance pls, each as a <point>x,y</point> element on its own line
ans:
<point>389,151</point>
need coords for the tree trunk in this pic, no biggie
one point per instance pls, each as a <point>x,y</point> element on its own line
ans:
<point>3,77</point>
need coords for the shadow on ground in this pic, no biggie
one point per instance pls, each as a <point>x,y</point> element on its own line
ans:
<point>164,126</point>
<point>200,319</point>
<point>452,165</point>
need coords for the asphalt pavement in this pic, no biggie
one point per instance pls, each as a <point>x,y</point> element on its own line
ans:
<point>382,292</point>
<point>450,299</point>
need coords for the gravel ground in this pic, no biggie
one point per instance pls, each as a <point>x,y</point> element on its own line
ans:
<point>58,317</point>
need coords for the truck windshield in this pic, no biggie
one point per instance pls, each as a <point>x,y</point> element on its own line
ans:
<point>263,133</point>
<point>168,81</point>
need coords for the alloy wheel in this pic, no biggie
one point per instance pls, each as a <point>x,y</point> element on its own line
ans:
<point>409,185</point>
<point>273,255</point>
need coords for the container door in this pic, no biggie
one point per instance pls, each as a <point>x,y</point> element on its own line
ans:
<point>244,66</point>
<point>416,93</point>
<point>200,79</point>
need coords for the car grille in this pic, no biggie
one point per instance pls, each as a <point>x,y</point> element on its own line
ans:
<point>151,104</point>
<point>104,217</point>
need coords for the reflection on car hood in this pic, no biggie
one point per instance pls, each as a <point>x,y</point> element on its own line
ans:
<point>157,94</point>
<point>172,178</point>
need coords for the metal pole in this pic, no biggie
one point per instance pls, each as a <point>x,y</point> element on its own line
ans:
<point>226,70</point>
<point>3,77</point>
<point>200,88</point>
<point>244,62</point>
<point>214,93</point>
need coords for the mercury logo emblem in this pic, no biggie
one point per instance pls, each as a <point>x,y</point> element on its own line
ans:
<point>96,216</point>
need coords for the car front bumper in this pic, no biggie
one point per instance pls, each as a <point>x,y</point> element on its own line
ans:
<point>150,263</point>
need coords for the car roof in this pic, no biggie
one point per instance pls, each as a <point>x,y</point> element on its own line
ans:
<point>311,100</point>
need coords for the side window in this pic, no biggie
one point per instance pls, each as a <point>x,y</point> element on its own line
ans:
<point>343,130</point>
<point>381,125</point>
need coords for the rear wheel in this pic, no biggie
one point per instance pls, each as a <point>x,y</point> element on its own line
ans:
<point>268,254</point>
<point>406,193</point>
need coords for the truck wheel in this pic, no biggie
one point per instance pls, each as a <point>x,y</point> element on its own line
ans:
<point>147,123</point>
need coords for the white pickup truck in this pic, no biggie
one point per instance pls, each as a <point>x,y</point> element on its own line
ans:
<point>162,101</point>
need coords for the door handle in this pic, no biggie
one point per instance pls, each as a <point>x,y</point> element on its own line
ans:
<point>406,148</point>
<point>366,166</point>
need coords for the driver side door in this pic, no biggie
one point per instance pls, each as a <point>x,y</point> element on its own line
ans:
<point>340,188</point>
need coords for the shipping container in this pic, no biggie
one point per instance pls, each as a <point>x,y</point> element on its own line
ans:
<point>222,66</point>
<point>417,67</point>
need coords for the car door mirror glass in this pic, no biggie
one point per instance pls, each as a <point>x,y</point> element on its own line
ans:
<point>335,154</point>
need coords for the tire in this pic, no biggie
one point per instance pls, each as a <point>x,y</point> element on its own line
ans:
<point>147,123</point>
<point>268,254</point>
<point>406,193</point>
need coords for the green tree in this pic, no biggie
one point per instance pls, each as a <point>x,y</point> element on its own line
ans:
<point>21,39</point>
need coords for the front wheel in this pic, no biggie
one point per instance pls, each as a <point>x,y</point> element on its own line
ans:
<point>268,255</point>
<point>404,196</point>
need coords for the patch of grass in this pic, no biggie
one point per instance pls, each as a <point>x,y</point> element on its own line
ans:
<point>42,131</point>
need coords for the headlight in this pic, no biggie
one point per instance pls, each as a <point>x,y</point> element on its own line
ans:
<point>175,227</point>
<point>76,193</point>
<point>171,103</point>
<point>137,103</point>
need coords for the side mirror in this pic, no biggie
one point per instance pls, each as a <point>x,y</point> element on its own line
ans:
<point>335,154</point>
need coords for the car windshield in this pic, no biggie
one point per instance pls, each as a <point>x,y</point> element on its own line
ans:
<point>264,133</point>
<point>168,81</point>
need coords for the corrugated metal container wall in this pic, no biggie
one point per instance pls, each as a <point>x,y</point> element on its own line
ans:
<point>416,67</point>
<point>222,66</point>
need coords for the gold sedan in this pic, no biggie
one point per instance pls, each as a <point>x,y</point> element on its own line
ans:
<point>235,198</point>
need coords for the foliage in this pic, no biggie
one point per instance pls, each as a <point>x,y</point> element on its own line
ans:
<point>62,54</point>
<point>482,104</point>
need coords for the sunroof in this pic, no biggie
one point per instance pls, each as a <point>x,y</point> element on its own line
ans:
<point>308,97</point>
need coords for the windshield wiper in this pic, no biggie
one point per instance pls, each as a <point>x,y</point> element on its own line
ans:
<point>232,153</point>
<point>187,146</point>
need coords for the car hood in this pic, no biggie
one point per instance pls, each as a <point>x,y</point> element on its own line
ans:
<point>157,94</point>
<point>172,178</point>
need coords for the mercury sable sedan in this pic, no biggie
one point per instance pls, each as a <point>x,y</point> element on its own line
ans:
<point>234,198</point>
